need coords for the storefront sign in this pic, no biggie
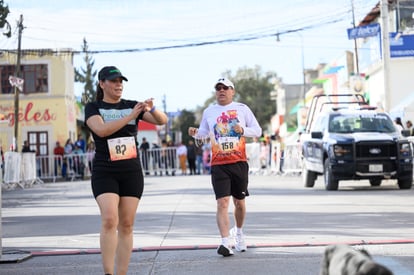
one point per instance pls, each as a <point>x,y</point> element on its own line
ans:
<point>401,45</point>
<point>363,32</point>
<point>26,114</point>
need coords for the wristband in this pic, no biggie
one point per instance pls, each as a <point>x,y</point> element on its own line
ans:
<point>152,109</point>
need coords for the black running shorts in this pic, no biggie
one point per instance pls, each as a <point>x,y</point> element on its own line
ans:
<point>230,180</point>
<point>124,184</point>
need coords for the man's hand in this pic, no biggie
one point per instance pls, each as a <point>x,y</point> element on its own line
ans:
<point>238,129</point>
<point>192,131</point>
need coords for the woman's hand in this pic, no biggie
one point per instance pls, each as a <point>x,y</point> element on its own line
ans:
<point>149,103</point>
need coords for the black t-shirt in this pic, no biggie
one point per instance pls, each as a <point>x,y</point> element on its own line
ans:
<point>110,112</point>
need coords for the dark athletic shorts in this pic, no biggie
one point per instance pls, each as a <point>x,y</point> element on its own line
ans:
<point>130,184</point>
<point>230,180</point>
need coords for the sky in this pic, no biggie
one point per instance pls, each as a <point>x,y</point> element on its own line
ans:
<point>176,49</point>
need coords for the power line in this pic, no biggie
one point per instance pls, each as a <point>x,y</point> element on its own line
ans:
<point>191,45</point>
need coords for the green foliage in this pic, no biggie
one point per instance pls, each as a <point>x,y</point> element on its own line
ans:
<point>4,12</point>
<point>185,120</point>
<point>253,88</point>
<point>87,76</point>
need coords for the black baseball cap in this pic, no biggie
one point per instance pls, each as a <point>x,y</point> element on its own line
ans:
<point>109,73</point>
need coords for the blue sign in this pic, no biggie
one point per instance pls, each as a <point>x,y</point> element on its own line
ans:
<point>365,31</point>
<point>401,45</point>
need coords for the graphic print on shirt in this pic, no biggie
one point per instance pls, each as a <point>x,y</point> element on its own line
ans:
<point>120,148</point>
<point>227,145</point>
<point>114,114</point>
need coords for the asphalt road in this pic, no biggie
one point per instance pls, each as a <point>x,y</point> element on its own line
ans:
<point>56,226</point>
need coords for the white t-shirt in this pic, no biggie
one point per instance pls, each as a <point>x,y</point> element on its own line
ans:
<point>217,124</point>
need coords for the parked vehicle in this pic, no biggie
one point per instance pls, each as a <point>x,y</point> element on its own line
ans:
<point>345,139</point>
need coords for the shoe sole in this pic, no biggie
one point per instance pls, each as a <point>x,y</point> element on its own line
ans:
<point>241,250</point>
<point>225,252</point>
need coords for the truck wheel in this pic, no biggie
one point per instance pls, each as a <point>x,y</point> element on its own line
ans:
<point>405,183</point>
<point>375,182</point>
<point>331,183</point>
<point>308,177</point>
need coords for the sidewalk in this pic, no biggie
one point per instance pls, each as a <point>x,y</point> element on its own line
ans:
<point>57,226</point>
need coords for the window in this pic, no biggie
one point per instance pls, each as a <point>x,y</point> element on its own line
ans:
<point>34,75</point>
<point>39,142</point>
<point>406,10</point>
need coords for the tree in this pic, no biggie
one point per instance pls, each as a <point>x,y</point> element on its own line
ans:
<point>185,120</point>
<point>253,88</point>
<point>4,12</point>
<point>87,76</point>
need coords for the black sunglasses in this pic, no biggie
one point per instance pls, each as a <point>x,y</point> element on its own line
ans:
<point>219,87</point>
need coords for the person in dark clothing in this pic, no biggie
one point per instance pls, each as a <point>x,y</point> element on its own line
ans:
<point>156,157</point>
<point>191,157</point>
<point>26,147</point>
<point>199,160</point>
<point>144,147</point>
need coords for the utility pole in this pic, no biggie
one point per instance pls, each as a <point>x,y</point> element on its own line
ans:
<point>14,257</point>
<point>16,89</point>
<point>385,54</point>
<point>355,40</point>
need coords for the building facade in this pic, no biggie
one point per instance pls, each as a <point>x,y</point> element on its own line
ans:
<point>47,109</point>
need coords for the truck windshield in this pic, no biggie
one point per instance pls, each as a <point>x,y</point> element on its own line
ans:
<point>352,123</point>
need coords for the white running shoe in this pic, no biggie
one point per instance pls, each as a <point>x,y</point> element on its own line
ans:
<point>225,251</point>
<point>239,242</point>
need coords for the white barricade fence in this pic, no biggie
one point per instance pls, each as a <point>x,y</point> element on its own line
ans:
<point>28,169</point>
<point>292,160</point>
<point>19,170</point>
<point>156,161</point>
<point>12,161</point>
<point>253,157</point>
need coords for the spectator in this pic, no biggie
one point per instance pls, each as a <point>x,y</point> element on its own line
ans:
<point>90,154</point>
<point>281,145</point>
<point>156,157</point>
<point>26,147</point>
<point>207,159</point>
<point>199,159</point>
<point>78,162</point>
<point>58,151</point>
<point>182,157</point>
<point>80,142</point>
<point>68,147</point>
<point>171,155</point>
<point>409,126</point>
<point>398,124</point>
<point>191,157</point>
<point>144,147</point>
<point>264,154</point>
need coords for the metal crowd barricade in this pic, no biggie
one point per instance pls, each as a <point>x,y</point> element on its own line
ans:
<point>69,167</point>
<point>160,161</point>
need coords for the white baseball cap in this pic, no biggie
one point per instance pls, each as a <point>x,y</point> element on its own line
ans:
<point>225,82</point>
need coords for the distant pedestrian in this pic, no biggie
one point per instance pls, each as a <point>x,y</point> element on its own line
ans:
<point>58,151</point>
<point>144,148</point>
<point>191,157</point>
<point>182,157</point>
